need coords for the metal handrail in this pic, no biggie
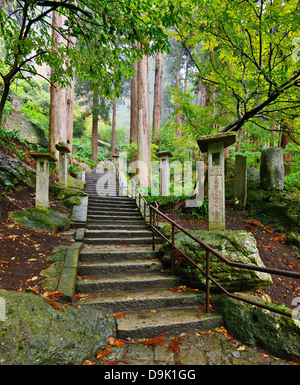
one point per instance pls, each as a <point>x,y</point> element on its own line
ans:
<point>206,273</point>
<point>155,212</point>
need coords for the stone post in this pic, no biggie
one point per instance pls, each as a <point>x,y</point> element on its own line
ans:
<point>272,169</point>
<point>164,179</point>
<point>63,163</point>
<point>214,146</point>
<point>240,182</point>
<point>42,178</point>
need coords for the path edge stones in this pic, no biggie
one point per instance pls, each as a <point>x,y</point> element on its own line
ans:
<point>67,280</point>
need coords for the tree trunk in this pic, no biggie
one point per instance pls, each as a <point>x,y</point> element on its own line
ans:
<point>3,100</point>
<point>70,107</point>
<point>177,104</point>
<point>143,135</point>
<point>57,121</point>
<point>157,97</point>
<point>113,129</point>
<point>287,157</point>
<point>95,127</point>
<point>133,106</point>
<point>70,116</point>
<point>53,119</point>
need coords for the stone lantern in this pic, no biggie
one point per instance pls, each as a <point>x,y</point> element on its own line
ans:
<point>63,162</point>
<point>42,177</point>
<point>164,166</point>
<point>214,145</point>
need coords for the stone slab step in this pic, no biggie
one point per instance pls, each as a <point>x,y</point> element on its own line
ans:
<point>118,233</point>
<point>113,226</point>
<point>113,212</point>
<point>170,322</point>
<point>96,198</point>
<point>116,218</point>
<point>109,269</point>
<point>102,205</point>
<point>115,222</point>
<point>116,253</point>
<point>117,241</point>
<point>125,282</point>
<point>142,300</point>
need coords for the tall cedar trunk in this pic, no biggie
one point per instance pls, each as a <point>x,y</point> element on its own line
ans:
<point>113,129</point>
<point>3,99</point>
<point>157,97</point>
<point>287,157</point>
<point>57,126</point>
<point>186,79</point>
<point>95,127</point>
<point>70,116</point>
<point>143,134</point>
<point>69,107</point>
<point>133,107</point>
<point>177,104</point>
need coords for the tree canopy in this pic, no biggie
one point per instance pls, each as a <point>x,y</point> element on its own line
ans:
<point>246,52</point>
<point>104,32</point>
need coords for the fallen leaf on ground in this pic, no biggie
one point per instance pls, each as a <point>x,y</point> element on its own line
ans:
<point>152,342</point>
<point>174,346</point>
<point>281,238</point>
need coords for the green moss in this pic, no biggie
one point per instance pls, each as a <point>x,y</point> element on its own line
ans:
<point>276,334</point>
<point>41,219</point>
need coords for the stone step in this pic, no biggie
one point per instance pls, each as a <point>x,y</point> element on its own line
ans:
<point>122,234</point>
<point>109,269</point>
<point>118,241</point>
<point>114,226</point>
<point>118,199</point>
<point>141,300</point>
<point>112,253</point>
<point>110,200</point>
<point>115,221</point>
<point>170,322</point>
<point>120,213</point>
<point>117,284</point>
<point>113,205</point>
<point>115,218</point>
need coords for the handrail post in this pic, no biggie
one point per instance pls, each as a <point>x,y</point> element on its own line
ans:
<point>173,250</point>
<point>207,282</point>
<point>153,233</point>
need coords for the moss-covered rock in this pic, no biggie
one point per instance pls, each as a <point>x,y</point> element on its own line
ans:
<point>72,201</point>
<point>61,192</point>
<point>41,219</point>
<point>276,334</point>
<point>75,183</point>
<point>34,332</point>
<point>278,209</point>
<point>237,246</point>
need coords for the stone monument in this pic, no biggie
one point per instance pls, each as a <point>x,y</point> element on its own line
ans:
<point>240,182</point>
<point>63,162</point>
<point>272,169</point>
<point>214,146</point>
<point>164,167</point>
<point>42,177</point>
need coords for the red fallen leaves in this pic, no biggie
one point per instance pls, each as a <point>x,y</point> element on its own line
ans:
<point>152,342</point>
<point>120,314</point>
<point>178,289</point>
<point>174,346</point>
<point>281,238</point>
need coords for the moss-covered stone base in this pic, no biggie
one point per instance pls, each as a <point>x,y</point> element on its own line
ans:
<point>254,326</point>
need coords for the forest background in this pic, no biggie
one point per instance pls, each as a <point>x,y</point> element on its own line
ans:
<point>230,67</point>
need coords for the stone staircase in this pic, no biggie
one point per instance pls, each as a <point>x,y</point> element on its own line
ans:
<point>118,270</point>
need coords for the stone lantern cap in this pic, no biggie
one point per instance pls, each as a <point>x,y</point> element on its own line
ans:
<point>227,138</point>
<point>62,147</point>
<point>43,156</point>
<point>162,154</point>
